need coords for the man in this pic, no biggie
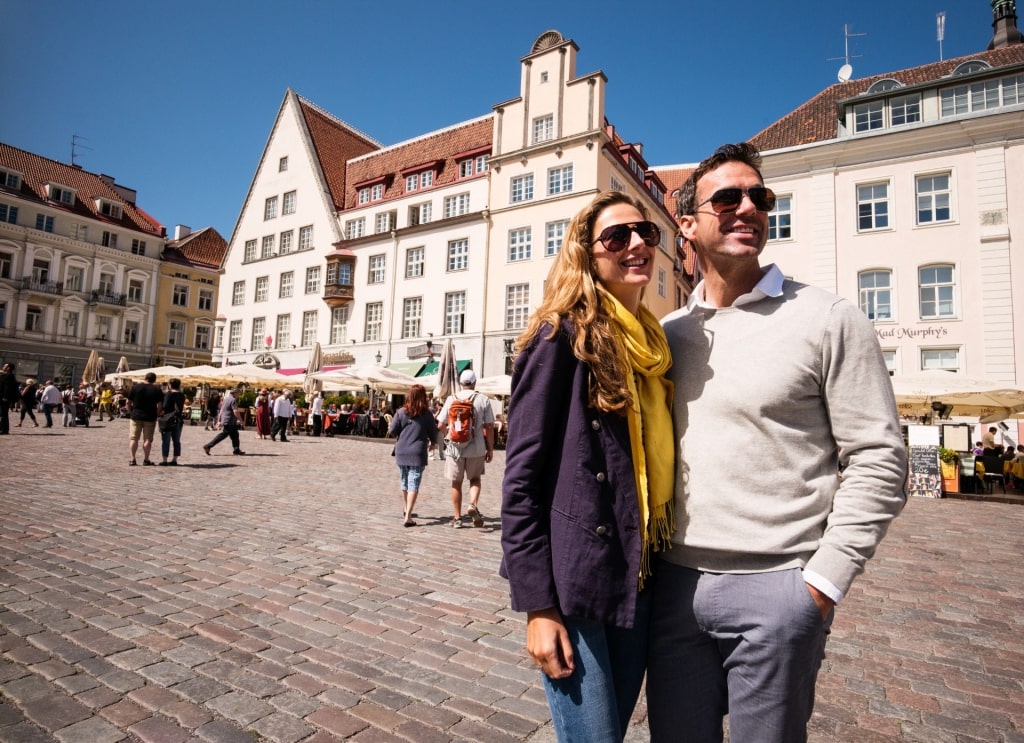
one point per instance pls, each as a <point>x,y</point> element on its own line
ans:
<point>763,548</point>
<point>145,405</point>
<point>317,411</point>
<point>988,441</point>
<point>50,399</point>
<point>9,395</point>
<point>228,423</point>
<point>467,461</point>
<point>283,412</point>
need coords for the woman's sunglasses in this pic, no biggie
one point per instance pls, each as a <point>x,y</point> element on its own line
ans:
<point>617,237</point>
<point>727,200</point>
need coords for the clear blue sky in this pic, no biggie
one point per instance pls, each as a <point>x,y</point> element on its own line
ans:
<point>176,98</point>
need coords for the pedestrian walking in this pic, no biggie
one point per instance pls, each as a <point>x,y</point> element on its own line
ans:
<point>283,412</point>
<point>415,427</point>
<point>228,423</point>
<point>50,399</point>
<point>30,394</point>
<point>9,396</point>
<point>170,433</point>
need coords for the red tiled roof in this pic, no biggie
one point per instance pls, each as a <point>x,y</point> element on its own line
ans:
<point>439,146</point>
<point>205,247</point>
<point>815,120</point>
<point>38,171</point>
<point>336,143</point>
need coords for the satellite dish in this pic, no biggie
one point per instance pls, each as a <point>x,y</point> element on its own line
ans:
<point>845,72</point>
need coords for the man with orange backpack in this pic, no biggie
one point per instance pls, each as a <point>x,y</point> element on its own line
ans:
<point>468,422</point>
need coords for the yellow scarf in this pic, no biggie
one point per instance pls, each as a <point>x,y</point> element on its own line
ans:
<point>651,434</point>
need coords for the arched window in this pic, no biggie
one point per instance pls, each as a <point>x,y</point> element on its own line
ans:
<point>876,294</point>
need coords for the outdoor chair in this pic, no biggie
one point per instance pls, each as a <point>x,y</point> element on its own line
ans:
<point>993,472</point>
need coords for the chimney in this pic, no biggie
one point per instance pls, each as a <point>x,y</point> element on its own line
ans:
<point>1004,24</point>
<point>181,231</point>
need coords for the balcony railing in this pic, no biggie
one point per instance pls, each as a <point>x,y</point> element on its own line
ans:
<point>108,298</point>
<point>44,287</point>
<point>338,295</point>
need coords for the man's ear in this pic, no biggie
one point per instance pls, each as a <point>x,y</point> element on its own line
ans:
<point>687,226</point>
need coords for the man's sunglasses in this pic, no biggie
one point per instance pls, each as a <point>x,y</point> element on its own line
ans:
<point>617,237</point>
<point>728,200</point>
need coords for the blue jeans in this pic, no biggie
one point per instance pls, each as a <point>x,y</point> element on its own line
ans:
<point>171,437</point>
<point>48,413</point>
<point>595,703</point>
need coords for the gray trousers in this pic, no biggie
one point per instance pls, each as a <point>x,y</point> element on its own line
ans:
<point>744,645</point>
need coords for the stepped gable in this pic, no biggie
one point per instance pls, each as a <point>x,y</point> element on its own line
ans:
<point>205,247</point>
<point>336,143</point>
<point>439,147</point>
<point>816,120</point>
<point>37,171</point>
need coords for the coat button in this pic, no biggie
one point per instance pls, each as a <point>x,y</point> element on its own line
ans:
<point>601,530</point>
<point>600,477</point>
<point>595,424</point>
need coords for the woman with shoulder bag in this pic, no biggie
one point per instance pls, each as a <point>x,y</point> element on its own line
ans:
<point>170,433</point>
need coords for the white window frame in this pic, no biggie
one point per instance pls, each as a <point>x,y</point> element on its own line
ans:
<point>456,205</point>
<point>309,323</point>
<point>313,280</point>
<point>286,285</point>
<point>238,293</point>
<point>412,316</point>
<point>270,208</point>
<point>283,338</point>
<point>179,295</point>
<point>285,245</point>
<point>455,313</point>
<point>176,333</point>
<point>520,244</point>
<point>250,251</point>
<point>414,260</point>
<point>259,332</point>
<point>933,198</point>
<point>543,128</point>
<point>262,293</point>
<point>376,266</point>
<point>517,306</point>
<point>521,189</point>
<point>560,180</point>
<point>288,203</point>
<point>202,337</point>
<point>267,249</point>
<point>306,237</point>
<point>946,359</point>
<point>355,228</point>
<point>458,254</point>
<point>942,292</point>
<point>374,321</point>
<point>339,325</point>
<point>871,200</point>
<point>780,219</point>
<point>875,298</point>
<point>554,236</point>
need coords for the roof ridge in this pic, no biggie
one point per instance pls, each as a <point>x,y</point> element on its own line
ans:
<point>340,122</point>
<point>425,136</point>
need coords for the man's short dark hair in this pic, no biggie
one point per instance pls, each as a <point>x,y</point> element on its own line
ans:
<point>743,152</point>
<point>150,377</point>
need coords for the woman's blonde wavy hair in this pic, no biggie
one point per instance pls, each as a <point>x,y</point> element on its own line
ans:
<point>571,293</point>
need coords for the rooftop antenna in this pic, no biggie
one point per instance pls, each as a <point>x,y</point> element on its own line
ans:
<point>75,146</point>
<point>846,71</point>
<point>940,29</point>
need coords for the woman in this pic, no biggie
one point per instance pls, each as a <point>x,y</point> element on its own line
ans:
<point>587,494</point>
<point>29,401</point>
<point>174,399</point>
<point>212,409</point>
<point>416,428</point>
<point>264,422</point>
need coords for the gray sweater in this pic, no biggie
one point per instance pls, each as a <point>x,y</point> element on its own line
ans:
<point>771,397</point>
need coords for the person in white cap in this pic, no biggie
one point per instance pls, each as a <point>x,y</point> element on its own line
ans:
<point>467,460</point>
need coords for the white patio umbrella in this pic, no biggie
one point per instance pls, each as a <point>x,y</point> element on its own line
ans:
<point>986,399</point>
<point>163,374</point>
<point>311,385</point>
<point>497,386</point>
<point>379,377</point>
<point>447,372</point>
<point>253,375</point>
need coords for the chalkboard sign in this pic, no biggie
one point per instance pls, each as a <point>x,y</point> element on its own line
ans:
<point>925,479</point>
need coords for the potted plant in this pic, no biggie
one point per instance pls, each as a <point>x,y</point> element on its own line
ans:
<point>949,464</point>
<point>245,401</point>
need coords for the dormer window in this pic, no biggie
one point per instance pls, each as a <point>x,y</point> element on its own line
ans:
<point>108,208</point>
<point>364,195</point>
<point>10,179</point>
<point>61,194</point>
<point>970,67</point>
<point>883,85</point>
<point>377,192</point>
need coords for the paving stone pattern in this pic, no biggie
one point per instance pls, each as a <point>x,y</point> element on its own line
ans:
<point>277,597</point>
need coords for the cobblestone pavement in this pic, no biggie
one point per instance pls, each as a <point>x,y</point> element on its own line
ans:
<point>277,597</point>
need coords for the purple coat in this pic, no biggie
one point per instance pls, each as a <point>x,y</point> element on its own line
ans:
<point>570,525</point>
